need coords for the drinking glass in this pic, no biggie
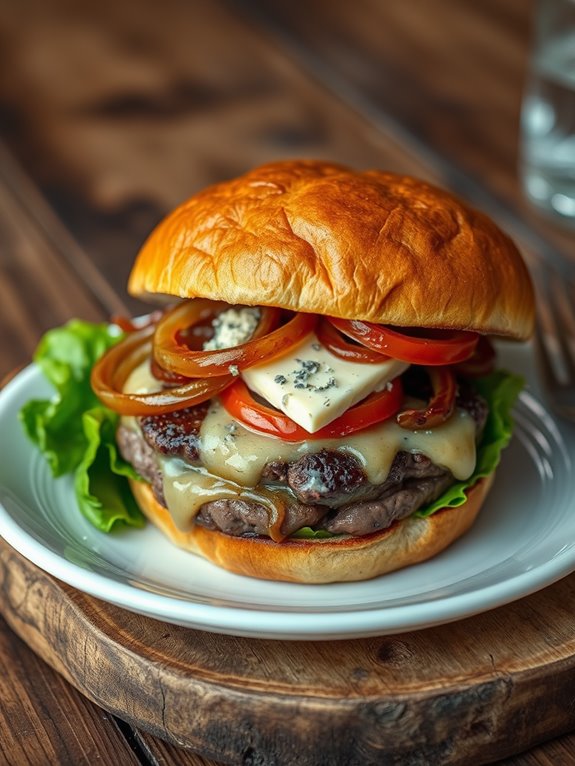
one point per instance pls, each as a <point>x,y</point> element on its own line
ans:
<point>548,113</point>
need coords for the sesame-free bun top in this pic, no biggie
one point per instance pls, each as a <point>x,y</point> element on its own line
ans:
<point>318,237</point>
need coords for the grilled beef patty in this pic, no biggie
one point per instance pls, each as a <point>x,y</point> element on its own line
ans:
<point>327,489</point>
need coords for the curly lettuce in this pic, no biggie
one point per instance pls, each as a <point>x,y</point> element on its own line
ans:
<point>74,432</point>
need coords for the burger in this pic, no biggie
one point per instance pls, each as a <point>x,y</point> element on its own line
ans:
<point>315,400</point>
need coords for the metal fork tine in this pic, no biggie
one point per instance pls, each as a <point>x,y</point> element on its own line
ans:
<point>556,336</point>
<point>566,312</point>
<point>549,331</point>
<point>561,326</point>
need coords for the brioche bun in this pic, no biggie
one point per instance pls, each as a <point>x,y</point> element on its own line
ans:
<point>344,559</point>
<point>317,237</point>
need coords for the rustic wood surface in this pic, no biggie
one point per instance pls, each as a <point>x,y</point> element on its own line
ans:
<point>447,695</point>
<point>111,113</point>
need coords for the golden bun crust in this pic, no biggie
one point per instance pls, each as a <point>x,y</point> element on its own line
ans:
<point>321,561</point>
<point>318,237</point>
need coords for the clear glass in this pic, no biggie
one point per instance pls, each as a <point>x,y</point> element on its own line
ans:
<point>548,114</point>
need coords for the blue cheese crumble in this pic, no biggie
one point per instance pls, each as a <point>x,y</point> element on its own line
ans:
<point>233,327</point>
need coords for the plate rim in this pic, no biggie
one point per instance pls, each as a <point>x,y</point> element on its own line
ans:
<point>246,620</point>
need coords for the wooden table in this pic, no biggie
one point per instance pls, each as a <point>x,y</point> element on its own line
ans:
<point>111,113</point>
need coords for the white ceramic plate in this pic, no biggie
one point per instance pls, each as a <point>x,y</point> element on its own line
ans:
<point>523,540</point>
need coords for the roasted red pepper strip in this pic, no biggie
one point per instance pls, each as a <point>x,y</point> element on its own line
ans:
<point>440,407</point>
<point>434,347</point>
<point>378,406</point>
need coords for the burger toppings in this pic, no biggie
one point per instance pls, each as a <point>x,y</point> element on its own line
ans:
<point>233,327</point>
<point>314,388</point>
<point>481,362</point>
<point>340,490</point>
<point>175,350</point>
<point>337,345</point>
<point>257,418</point>
<point>434,347</point>
<point>205,442</point>
<point>111,371</point>
<point>441,405</point>
<point>314,379</point>
<point>376,407</point>
<point>221,469</point>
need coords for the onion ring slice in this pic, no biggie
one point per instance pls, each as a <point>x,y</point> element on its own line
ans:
<point>111,371</point>
<point>266,343</point>
<point>337,345</point>
<point>440,407</point>
<point>482,362</point>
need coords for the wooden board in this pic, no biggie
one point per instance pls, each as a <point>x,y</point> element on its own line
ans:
<point>469,692</point>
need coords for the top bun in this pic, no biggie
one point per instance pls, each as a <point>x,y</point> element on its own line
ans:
<point>318,237</point>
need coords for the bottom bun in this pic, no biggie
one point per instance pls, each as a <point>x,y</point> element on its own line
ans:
<point>341,559</point>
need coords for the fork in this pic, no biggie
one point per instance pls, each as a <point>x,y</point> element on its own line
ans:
<point>555,337</point>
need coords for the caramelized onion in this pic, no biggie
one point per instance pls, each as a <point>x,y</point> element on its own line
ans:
<point>113,369</point>
<point>440,407</point>
<point>266,343</point>
<point>130,324</point>
<point>165,376</point>
<point>481,363</point>
<point>337,345</point>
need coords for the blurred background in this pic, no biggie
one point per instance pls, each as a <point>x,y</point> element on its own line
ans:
<point>116,111</point>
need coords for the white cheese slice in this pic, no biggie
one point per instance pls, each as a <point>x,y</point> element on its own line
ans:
<point>313,387</point>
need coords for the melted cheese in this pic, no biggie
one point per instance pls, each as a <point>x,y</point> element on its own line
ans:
<point>239,455</point>
<point>234,457</point>
<point>186,489</point>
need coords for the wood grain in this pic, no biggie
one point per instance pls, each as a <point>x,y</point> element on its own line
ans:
<point>447,695</point>
<point>418,74</point>
<point>45,720</point>
<point>116,148</point>
<point>39,288</point>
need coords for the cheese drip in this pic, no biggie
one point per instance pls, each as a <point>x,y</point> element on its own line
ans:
<point>239,455</point>
<point>186,489</point>
<point>234,457</point>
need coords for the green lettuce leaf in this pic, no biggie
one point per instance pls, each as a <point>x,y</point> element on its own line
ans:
<point>307,533</point>
<point>74,432</point>
<point>66,356</point>
<point>501,390</point>
<point>102,491</point>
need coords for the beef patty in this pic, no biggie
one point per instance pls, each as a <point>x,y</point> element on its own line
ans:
<point>327,489</point>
